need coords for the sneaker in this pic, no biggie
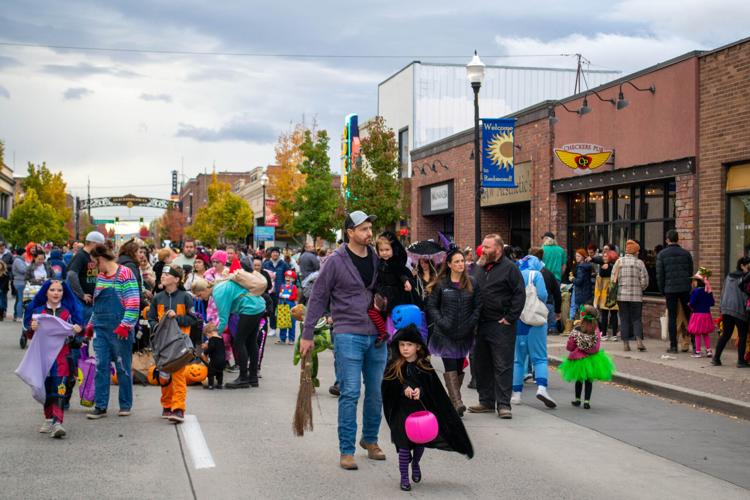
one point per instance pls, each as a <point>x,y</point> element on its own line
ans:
<point>528,376</point>
<point>743,364</point>
<point>696,355</point>
<point>166,412</point>
<point>576,402</point>
<point>96,414</point>
<point>716,362</point>
<point>238,383</point>
<point>605,338</point>
<point>504,413</point>
<point>271,332</point>
<point>123,413</point>
<point>46,426</point>
<point>515,398</point>
<point>614,338</point>
<point>586,405</point>
<point>709,354</point>
<point>544,397</point>
<point>177,416</point>
<point>57,431</point>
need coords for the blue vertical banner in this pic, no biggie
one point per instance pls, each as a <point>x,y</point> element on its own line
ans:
<point>498,170</point>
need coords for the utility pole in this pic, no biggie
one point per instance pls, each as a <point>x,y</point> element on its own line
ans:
<point>88,187</point>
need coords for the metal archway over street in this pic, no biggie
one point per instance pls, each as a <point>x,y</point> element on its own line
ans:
<point>129,201</point>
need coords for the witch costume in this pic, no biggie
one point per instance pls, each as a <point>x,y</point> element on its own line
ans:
<point>397,407</point>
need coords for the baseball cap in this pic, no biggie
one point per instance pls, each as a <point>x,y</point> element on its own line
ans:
<point>358,217</point>
<point>175,271</point>
<point>95,237</point>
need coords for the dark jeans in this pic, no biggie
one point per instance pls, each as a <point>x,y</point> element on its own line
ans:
<point>608,318</point>
<point>493,355</point>
<point>728,323</point>
<point>673,299</point>
<point>246,346</point>
<point>631,322</point>
<point>453,365</point>
<point>275,300</point>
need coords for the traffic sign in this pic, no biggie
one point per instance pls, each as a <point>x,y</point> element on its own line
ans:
<point>104,221</point>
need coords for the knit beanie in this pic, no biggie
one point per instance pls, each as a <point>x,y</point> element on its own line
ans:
<point>632,247</point>
<point>220,255</point>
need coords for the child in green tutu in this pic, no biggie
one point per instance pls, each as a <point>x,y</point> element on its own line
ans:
<point>586,362</point>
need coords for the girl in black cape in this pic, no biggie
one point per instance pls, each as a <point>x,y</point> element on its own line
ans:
<point>410,384</point>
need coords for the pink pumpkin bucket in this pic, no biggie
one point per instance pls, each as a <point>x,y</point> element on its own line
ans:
<point>421,427</point>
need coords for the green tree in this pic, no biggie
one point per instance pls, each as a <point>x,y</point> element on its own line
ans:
<point>317,202</point>
<point>226,217</point>
<point>50,187</point>
<point>33,220</point>
<point>374,187</point>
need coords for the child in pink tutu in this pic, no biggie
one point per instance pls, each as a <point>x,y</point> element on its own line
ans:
<point>701,300</point>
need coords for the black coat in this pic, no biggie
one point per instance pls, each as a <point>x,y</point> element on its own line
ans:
<point>554,295</point>
<point>674,269</point>
<point>452,434</point>
<point>453,312</point>
<point>390,284</point>
<point>503,290</point>
<point>584,286</point>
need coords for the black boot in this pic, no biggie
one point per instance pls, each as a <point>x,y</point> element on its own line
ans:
<point>238,383</point>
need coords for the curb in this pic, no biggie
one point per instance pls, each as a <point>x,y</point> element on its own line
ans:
<point>683,394</point>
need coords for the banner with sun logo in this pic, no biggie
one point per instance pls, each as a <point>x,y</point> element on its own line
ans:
<point>498,170</point>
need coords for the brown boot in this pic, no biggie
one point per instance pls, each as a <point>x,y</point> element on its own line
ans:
<point>480,408</point>
<point>451,384</point>
<point>641,347</point>
<point>458,394</point>
<point>626,345</point>
<point>373,451</point>
<point>347,462</point>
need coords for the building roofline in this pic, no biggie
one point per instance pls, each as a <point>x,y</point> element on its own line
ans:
<point>494,66</point>
<point>645,71</point>
<point>725,47</point>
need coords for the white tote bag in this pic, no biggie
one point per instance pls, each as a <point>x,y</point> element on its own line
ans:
<point>534,310</point>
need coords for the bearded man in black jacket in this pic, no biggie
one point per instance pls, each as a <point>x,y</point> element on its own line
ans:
<point>503,298</point>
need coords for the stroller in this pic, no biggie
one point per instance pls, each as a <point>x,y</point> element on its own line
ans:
<point>29,292</point>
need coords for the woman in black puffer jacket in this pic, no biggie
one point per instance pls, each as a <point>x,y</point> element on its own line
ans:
<point>453,307</point>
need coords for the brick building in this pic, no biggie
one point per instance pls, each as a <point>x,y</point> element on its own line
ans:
<point>680,158</point>
<point>194,193</point>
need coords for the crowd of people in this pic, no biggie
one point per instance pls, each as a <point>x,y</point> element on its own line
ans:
<point>488,309</point>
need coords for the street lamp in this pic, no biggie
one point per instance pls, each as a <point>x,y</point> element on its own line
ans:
<point>263,183</point>
<point>475,74</point>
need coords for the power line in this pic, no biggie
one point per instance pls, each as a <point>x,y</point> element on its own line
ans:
<point>262,54</point>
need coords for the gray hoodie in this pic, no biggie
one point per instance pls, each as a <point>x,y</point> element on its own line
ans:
<point>733,299</point>
<point>19,271</point>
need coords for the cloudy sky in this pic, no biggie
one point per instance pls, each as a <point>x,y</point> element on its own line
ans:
<point>127,118</point>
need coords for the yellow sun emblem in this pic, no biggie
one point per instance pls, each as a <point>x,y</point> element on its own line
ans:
<point>501,150</point>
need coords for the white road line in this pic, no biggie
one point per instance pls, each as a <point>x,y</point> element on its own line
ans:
<point>196,443</point>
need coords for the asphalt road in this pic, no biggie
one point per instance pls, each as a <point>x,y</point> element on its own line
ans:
<point>629,445</point>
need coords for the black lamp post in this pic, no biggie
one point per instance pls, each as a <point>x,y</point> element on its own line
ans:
<point>475,74</point>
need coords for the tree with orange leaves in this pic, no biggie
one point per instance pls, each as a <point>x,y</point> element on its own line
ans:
<point>171,225</point>
<point>286,179</point>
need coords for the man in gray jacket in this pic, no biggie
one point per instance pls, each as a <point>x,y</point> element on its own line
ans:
<point>674,271</point>
<point>346,281</point>
<point>308,262</point>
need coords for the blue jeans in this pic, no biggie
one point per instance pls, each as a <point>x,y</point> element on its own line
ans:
<point>357,358</point>
<point>18,313</point>
<point>533,345</point>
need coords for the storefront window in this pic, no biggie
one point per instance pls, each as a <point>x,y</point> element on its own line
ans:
<point>739,227</point>
<point>643,212</point>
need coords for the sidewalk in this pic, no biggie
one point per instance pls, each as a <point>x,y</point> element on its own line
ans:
<point>690,380</point>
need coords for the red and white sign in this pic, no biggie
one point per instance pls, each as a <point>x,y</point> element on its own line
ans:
<point>271,219</point>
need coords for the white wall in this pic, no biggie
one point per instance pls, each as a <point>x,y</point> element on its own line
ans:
<point>396,103</point>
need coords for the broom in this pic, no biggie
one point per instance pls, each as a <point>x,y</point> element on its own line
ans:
<point>303,414</point>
